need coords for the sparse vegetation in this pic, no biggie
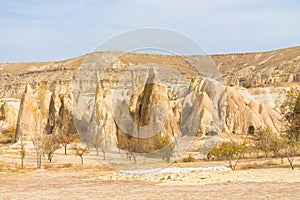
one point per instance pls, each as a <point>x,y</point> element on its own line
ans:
<point>131,147</point>
<point>290,110</point>
<point>255,165</point>
<point>231,150</point>
<point>291,149</point>
<point>80,150</point>
<point>8,136</point>
<point>189,158</point>
<point>50,145</point>
<point>40,113</point>
<point>268,141</point>
<point>38,148</point>
<point>165,146</point>
<point>172,96</point>
<point>22,154</point>
<point>147,148</point>
<point>98,142</point>
<point>65,139</point>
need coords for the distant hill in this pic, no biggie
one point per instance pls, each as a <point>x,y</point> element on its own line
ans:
<point>245,69</point>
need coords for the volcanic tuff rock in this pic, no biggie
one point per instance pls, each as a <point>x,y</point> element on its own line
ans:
<point>105,116</point>
<point>242,114</point>
<point>9,109</point>
<point>213,107</point>
<point>53,114</point>
<point>151,114</point>
<point>28,118</point>
<point>246,69</point>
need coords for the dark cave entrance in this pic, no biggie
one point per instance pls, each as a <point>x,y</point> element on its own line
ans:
<point>251,130</point>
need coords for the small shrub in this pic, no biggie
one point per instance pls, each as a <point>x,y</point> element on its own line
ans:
<point>8,136</point>
<point>80,150</point>
<point>230,151</point>
<point>190,158</point>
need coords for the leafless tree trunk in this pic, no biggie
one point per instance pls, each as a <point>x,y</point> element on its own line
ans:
<point>103,151</point>
<point>81,159</point>
<point>291,160</point>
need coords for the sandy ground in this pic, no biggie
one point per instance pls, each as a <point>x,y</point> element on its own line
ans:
<point>85,184</point>
<point>65,178</point>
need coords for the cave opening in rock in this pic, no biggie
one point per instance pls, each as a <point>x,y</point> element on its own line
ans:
<point>140,112</point>
<point>251,130</point>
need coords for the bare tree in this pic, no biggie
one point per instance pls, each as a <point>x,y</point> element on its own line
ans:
<point>65,140</point>
<point>130,145</point>
<point>80,150</point>
<point>292,146</point>
<point>22,151</point>
<point>40,113</point>
<point>22,154</point>
<point>36,140</point>
<point>50,145</point>
<point>98,142</point>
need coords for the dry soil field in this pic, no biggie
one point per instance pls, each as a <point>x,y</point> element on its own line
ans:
<point>65,178</point>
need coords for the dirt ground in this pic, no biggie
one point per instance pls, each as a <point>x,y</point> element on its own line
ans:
<point>44,184</point>
<point>65,178</point>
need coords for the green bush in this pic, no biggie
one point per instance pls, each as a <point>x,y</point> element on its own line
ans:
<point>190,158</point>
<point>230,151</point>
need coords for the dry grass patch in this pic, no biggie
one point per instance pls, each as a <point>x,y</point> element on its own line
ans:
<point>255,165</point>
<point>75,168</point>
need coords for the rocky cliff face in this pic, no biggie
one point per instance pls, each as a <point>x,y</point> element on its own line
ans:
<point>9,109</point>
<point>28,124</point>
<point>245,116</point>
<point>150,118</point>
<point>197,106</point>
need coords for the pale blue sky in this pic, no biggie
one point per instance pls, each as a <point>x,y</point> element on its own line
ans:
<point>37,30</point>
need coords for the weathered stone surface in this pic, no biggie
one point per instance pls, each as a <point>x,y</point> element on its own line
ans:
<point>105,116</point>
<point>206,108</point>
<point>65,122</point>
<point>243,113</point>
<point>53,114</point>
<point>202,108</point>
<point>152,116</point>
<point>9,108</point>
<point>28,117</point>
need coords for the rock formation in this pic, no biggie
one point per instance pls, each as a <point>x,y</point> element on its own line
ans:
<point>53,114</point>
<point>28,118</point>
<point>244,114</point>
<point>104,116</point>
<point>203,109</point>
<point>9,109</point>
<point>151,115</point>
<point>203,106</point>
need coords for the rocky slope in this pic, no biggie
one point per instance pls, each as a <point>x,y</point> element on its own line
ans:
<point>192,105</point>
<point>257,69</point>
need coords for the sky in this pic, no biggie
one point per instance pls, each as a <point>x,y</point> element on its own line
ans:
<point>48,30</point>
